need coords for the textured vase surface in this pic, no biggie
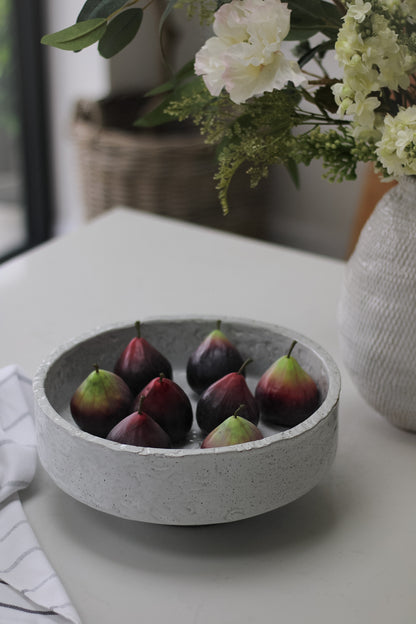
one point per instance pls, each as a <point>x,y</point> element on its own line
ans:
<point>377,308</point>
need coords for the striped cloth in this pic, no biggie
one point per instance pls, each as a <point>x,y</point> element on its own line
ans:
<point>30,590</point>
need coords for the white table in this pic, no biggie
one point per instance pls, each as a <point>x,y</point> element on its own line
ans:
<point>345,553</point>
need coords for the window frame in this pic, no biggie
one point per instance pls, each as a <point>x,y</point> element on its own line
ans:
<point>31,89</point>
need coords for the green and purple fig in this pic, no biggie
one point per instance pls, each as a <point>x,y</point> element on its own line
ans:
<point>286,393</point>
<point>233,430</point>
<point>140,362</point>
<point>215,357</point>
<point>223,397</point>
<point>139,429</point>
<point>166,402</point>
<point>100,402</point>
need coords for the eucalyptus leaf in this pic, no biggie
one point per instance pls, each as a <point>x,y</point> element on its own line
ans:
<point>187,71</point>
<point>99,8</point>
<point>309,18</point>
<point>324,98</point>
<point>158,115</point>
<point>120,31</point>
<point>168,10</point>
<point>331,13</point>
<point>316,51</point>
<point>309,9</point>
<point>293,171</point>
<point>77,36</point>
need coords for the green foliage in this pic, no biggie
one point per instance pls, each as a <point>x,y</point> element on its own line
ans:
<point>120,31</point>
<point>254,135</point>
<point>8,118</point>
<point>311,17</point>
<point>338,151</point>
<point>99,8</point>
<point>78,36</point>
<point>110,22</point>
<point>161,114</point>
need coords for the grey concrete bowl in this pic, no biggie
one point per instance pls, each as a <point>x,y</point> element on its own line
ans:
<point>187,485</point>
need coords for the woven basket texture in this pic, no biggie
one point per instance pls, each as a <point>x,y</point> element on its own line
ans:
<point>168,173</point>
<point>377,309</point>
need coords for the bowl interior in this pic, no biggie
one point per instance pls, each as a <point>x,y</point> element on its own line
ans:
<point>177,339</point>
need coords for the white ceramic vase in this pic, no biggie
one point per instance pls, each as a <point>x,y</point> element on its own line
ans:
<point>377,308</point>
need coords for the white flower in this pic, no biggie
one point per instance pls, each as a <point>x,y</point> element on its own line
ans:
<point>359,10</point>
<point>244,56</point>
<point>396,149</point>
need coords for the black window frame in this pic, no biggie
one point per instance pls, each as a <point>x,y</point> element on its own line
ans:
<point>31,87</point>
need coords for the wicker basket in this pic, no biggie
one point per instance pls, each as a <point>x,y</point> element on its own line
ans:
<point>164,172</point>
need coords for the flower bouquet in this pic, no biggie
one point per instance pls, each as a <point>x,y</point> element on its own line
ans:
<point>260,88</point>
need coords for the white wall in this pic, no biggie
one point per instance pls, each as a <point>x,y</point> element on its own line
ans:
<point>317,218</point>
<point>71,76</point>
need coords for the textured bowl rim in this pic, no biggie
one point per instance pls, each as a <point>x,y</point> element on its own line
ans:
<point>323,411</point>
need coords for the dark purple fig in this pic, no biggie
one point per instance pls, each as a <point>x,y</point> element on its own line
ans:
<point>166,402</point>
<point>215,357</point>
<point>223,397</point>
<point>139,429</point>
<point>233,430</point>
<point>286,393</point>
<point>100,402</point>
<point>140,362</point>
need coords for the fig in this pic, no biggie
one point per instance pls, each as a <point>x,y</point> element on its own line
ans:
<point>233,430</point>
<point>140,362</point>
<point>286,393</point>
<point>139,429</point>
<point>100,402</point>
<point>215,357</point>
<point>223,397</point>
<point>166,402</point>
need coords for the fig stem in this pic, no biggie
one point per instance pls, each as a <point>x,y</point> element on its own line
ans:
<point>291,348</point>
<point>239,408</point>
<point>137,326</point>
<point>161,377</point>
<point>243,365</point>
<point>139,406</point>
<point>96,368</point>
<point>218,325</point>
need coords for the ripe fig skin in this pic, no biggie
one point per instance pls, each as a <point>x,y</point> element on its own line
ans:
<point>138,429</point>
<point>214,358</point>
<point>233,430</point>
<point>222,398</point>
<point>168,404</point>
<point>140,362</point>
<point>286,393</point>
<point>100,402</point>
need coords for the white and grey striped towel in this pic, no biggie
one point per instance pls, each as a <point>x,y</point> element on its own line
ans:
<point>30,590</point>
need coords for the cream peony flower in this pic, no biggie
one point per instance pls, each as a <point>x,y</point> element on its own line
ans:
<point>396,149</point>
<point>244,56</point>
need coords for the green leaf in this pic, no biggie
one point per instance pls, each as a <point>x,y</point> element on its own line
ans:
<point>187,71</point>
<point>324,98</point>
<point>78,36</point>
<point>331,13</point>
<point>158,115</point>
<point>168,10</point>
<point>99,8</point>
<point>316,51</point>
<point>311,17</point>
<point>293,171</point>
<point>120,31</point>
<point>155,117</point>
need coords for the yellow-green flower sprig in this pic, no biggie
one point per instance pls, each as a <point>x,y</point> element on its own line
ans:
<point>338,151</point>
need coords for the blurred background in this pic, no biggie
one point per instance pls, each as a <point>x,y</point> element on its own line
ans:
<point>55,145</point>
